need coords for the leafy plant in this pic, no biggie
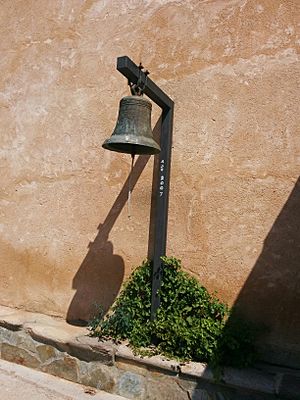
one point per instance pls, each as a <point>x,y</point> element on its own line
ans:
<point>191,324</point>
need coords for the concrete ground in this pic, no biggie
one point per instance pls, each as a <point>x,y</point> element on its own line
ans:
<point>18,382</point>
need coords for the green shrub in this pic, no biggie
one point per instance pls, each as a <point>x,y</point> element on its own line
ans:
<point>190,324</point>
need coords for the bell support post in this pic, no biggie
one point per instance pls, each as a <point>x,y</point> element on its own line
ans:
<point>162,173</point>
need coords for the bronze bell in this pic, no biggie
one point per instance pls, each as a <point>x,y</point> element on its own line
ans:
<point>133,134</point>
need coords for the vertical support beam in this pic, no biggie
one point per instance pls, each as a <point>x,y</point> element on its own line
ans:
<point>132,72</point>
<point>161,206</point>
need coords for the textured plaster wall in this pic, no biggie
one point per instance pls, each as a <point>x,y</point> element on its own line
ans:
<point>232,68</point>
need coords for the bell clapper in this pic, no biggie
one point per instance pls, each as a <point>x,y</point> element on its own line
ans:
<point>129,186</point>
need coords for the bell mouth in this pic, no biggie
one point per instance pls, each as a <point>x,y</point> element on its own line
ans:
<point>129,148</point>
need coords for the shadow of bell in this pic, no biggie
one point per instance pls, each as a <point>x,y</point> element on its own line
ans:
<point>97,281</point>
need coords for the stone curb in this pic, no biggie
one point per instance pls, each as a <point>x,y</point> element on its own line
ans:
<point>91,349</point>
<point>124,353</point>
<point>73,343</point>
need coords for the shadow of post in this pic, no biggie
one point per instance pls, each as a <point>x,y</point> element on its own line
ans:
<point>271,294</point>
<point>100,275</point>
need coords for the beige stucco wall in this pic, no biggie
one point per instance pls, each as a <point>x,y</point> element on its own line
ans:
<point>232,68</point>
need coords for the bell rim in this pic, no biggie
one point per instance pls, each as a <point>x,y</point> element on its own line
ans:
<point>131,148</point>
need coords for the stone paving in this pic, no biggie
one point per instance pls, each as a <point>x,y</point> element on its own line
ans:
<point>19,382</point>
<point>51,345</point>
